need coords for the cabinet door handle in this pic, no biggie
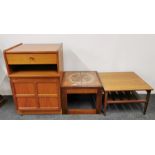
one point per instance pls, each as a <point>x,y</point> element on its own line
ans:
<point>31,58</point>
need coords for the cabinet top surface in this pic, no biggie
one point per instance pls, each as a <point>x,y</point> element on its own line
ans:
<point>81,79</point>
<point>123,81</point>
<point>35,48</point>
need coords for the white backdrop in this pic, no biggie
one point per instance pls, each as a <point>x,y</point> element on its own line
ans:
<point>93,52</point>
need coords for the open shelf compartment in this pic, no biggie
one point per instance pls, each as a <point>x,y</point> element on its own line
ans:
<point>33,70</point>
<point>124,97</point>
<point>81,104</point>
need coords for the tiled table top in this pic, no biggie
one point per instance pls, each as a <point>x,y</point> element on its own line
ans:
<point>81,79</point>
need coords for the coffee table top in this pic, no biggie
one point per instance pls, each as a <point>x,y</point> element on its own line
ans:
<point>81,79</point>
<point>123,81</point>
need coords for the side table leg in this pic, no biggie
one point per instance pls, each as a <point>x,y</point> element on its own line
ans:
<point>147,101</point>
<point>64,102</point>
<point>99,101</point>
<point>105,102</point>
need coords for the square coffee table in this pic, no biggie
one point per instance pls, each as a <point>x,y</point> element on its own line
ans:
<point>121,87</point>
<point>85,82</point>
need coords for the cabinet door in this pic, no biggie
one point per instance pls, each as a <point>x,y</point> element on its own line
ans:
<point>48,94</point>
<point>26,103</point>
<point>24,92</point>
<point>25,88</point>
<point>41,93</point>
<point>49,103</point>
<point>47,88</point>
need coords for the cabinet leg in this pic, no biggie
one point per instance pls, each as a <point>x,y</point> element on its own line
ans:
<point>105,102</point>
<point>147,101</point>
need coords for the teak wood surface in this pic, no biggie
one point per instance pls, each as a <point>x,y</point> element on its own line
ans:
<point>34,48</point>
<point>81,83</point>
<point>121,87</point>
<point>36,88</point>
<point>33,73</point>
<point>25,58</point>
<point>123,81</point>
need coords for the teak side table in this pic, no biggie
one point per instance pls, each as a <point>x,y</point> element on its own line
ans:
<point>121,87</point>
<point>81,83</point>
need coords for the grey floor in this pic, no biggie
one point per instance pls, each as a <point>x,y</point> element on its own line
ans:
<point>114,112</point>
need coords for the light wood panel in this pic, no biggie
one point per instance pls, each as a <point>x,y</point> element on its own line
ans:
<point>24,88</point>
<point>35,48</point>
<point>16,59</point>
<point>27,103</point>
<point>122,81</point>
<point>47,88</point>
<point>33,73</point>
<point>49,103</point>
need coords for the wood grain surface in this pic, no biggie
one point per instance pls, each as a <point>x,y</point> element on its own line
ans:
<point>123,81</point>
<point>35,48</point>
<point>35,72</point>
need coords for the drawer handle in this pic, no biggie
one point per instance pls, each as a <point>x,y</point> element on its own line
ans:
<point>31,58</point>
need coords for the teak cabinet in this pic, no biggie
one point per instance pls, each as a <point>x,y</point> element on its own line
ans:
<point>35,72</point>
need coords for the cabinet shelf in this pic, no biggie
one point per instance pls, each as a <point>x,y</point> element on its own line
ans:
<point>32,73</point>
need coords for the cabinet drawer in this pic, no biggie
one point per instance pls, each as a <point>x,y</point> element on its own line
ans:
<point>16,59</point>
<point>26,103</point>
<point>49,103</point>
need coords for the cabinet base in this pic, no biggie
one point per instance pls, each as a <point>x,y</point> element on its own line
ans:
<point>33,112</point>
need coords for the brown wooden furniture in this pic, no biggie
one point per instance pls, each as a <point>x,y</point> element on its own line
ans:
<point>81,83</point>
<point>35,72</point>
<point>121,87</point>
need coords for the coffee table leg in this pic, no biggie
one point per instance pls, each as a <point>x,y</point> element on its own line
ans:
<point>105,102</point>
<point>147,100</point>
<point>64,102</point>
<point>98,101</point>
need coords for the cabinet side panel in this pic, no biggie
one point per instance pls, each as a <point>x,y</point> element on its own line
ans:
<point>61,63</point>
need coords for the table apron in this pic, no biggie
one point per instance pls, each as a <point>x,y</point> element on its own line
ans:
<point>82,91</point>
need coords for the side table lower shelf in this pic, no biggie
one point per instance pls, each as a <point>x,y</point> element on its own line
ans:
<point>124,97</point>
<point>68,91</point>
